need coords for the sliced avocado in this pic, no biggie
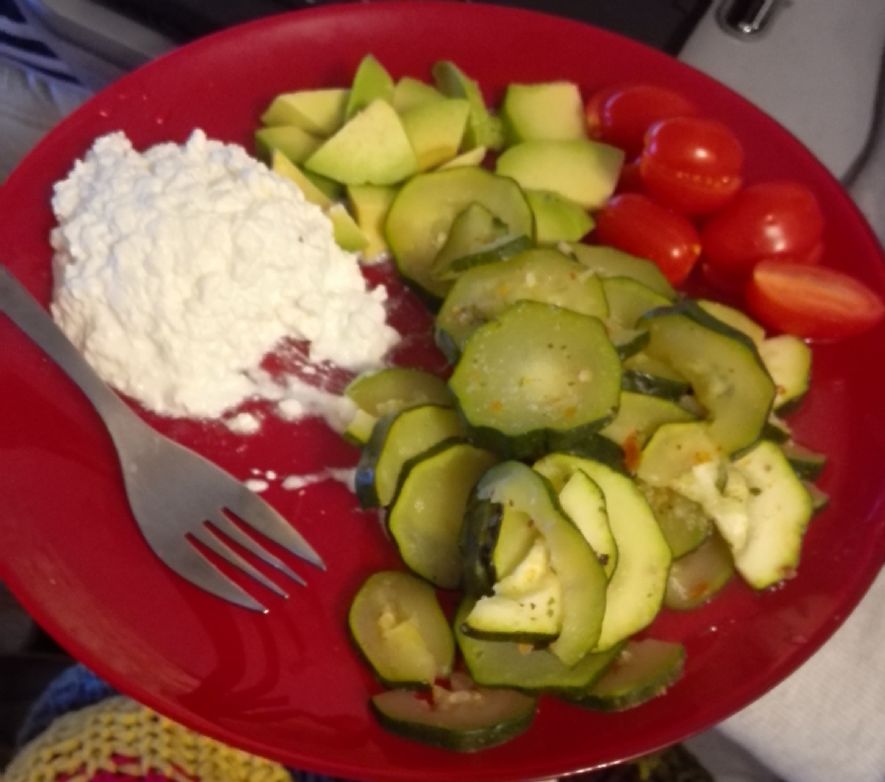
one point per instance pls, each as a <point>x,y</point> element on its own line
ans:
<point>557,218</point>
<point>371,148</point>
<point>294,142</point>
<point>371,82</point>
<point>435,130</point>
<point>348,235</point>
<point>551,110</point>
<point>286,168</point>
<point>483,129</point>
<point>473,157</point>
<point>409,93</point>
<point>582,170</point>
<point>369,205</point>
<point>320,112</point>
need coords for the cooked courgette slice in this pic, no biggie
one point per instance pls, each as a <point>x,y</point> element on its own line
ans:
<point>386,391</point>
<point>535,378</point>
<point>581,577</point>
<point>542,275</point>
<point>628,300</point>
<point>642,671</point>
<point>734,318</point>
<point>584,503</point>
<point>517,665</point>
<point>423,211</point>
<point>723,367</point>
<point>426,514</point>
<point>685,523</point>
<point>609,262</point>
<point>395,440</point>
<point>699,575</point>
<point>636,588</point>
<point>788,361</point>
<point>639,415</point>
<point>463,720</point>
<point>400,629</point>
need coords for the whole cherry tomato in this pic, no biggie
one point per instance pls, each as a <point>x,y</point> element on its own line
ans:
<point>621,115</point>
<point>691,164</point>
<point>812,301</point>
<point>634,223</point>
<point>779,220</point>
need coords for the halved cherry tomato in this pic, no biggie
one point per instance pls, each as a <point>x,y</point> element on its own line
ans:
<point>622,115</point>
<point>630,180</point>
<point>691,164</point>
<point>812,301</point>
<point>778,219</point>
<point>634,223</point>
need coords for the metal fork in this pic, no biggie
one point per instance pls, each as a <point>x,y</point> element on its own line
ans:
<point>174,493</point>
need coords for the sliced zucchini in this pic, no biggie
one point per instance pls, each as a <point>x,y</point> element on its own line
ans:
<point>788,361</point>
<point>584,503</point>
<point>639,416</point>
<point>422,213</point>
<point>395,440</point>
<point>580,575</point>
<point>463,720</point>
<point>699,575</point>
<point>515,539</point>
<point>685,523</point>
<point>609,262</point>
<point>675,450</point>
<point>819,498</point>
<point>735,319</point>
<point>525,605</point>
<point>480,532</point>
<point>636,588</point>
<point>535,378</point>
<point>723,367</point>
<point>523,667</point>
<point>401,630</point>
<point>628,300</point>
<point>541,275</point>
<point>426,514</point>
<point>386,391</point>
<point>642,671</point>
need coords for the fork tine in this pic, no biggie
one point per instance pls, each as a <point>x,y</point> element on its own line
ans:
<point>191,565</point>
<point>215,544</point>
<point>224,525</point>
<point>256,513</point>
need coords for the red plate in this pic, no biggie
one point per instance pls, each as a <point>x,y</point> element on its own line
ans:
<point>288,685</point>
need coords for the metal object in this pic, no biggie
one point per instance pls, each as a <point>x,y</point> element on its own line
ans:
<point>746,18</point>
<point>174,494</point>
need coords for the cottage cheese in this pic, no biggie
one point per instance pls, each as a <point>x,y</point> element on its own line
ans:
<point>178,270</point>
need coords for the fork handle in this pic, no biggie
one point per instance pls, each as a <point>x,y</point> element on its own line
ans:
<point>24,311</point>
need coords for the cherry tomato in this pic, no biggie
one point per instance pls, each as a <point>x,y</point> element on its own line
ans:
<point>812,301</point>
<point>634,223</point>
<point>779,220</point>
<point>691,164</point>
<point>630,180</point>
<point>621,115</point>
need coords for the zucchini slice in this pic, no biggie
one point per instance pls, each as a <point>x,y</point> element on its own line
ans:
<point>517,665</point>
<point>646,375</point>
<point>395,440</point>
<point>723,367</point>
<point>639,416</point>
<point>788,361</point>
<point>628,300</point>
<point>699,575</point>
<point>400,629</point>
<point>541,275</point>
<point>463,719</point>
<point>388,391</point>
<point>636,588</point>
<point>426,514</point>
<point>584,503</point>
<point>684,522</point>
<point>642,671</point>
<point>422,213</point>
<point>580,575</point>
<point>535,378</point>
<point>609,262</point>
<point>807,464</point>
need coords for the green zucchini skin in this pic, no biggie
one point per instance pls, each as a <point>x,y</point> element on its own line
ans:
<point>696,577</point>
<point>643,670</point>
<point>807,464</point>
<point>495,717</point>
<point>479,536</point>
<point>639,382</point>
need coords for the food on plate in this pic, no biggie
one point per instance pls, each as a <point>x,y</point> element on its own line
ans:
<point>607,446</point>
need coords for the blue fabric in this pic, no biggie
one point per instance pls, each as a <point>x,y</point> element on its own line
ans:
<point>22,45</point>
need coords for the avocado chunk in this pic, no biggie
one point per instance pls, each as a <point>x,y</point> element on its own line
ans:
<point>371,82</point>
<point>435,130</point>
<point>371,148</point>
<point>552,110</point>
<point>320,112</point>
<point>369,205</point>
<point>283,166</point>
<point>294,142</point>
<point>557,219</point>
<point>483,129</point>
<point>582,170</point>
<point>347,233</point>
<point>409,93</point>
